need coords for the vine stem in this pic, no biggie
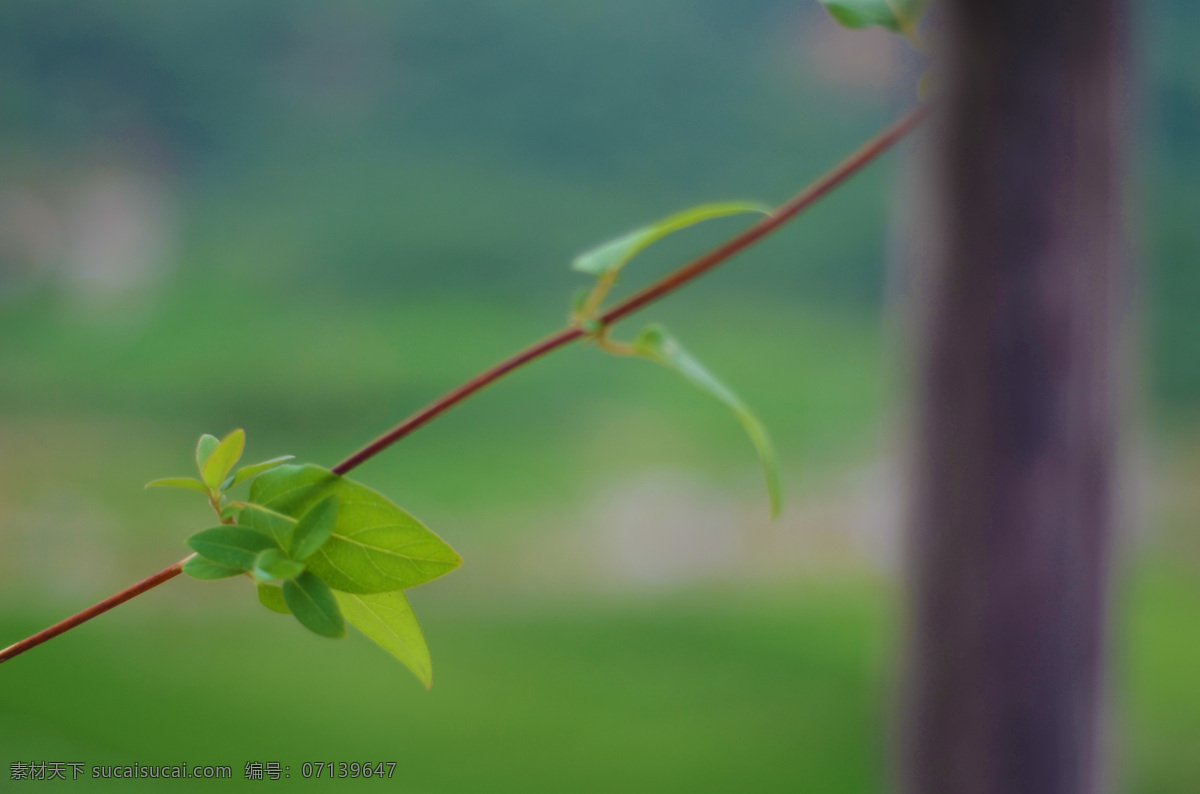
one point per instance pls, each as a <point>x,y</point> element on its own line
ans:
<point>865,154</point>
<point>166,574</point>
<point>668,283</point>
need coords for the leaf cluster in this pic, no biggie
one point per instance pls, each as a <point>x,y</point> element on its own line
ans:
<point>319,546</point>
<point>215,459</point>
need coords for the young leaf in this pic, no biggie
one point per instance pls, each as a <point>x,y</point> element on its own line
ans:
<point>231,545</point>
<point>222,459</point>
<point>273,565</point>
<point>375,546</point>
<point>656,344</point>
<point>190,483</point>
<point>271,596</point>
<point>388,619</point>
<point>246,472</point>
<point>204,450</point>
<point>313,528</point>
<point>199,567</point>
<point>314,605</point>
<point>613,255</point>
<point>895,15</point>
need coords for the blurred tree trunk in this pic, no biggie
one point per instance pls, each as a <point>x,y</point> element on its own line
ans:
<point>1012,508</point>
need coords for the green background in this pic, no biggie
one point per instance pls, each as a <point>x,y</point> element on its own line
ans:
<point>309,219</point>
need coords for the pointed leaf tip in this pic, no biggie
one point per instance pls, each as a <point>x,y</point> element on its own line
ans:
<point>388,619</point>
<point>655,344</point>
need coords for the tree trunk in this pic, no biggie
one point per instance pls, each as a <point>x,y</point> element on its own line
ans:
<point>1012,507</point>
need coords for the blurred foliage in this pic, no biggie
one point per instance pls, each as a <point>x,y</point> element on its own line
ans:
<point>1169,145</point>
<point>433,145</point>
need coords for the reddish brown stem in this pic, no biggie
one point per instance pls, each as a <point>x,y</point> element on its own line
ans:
<point>149,582</point>
<point>669,283</point>
<point>797,204</point>
<point>458,395</point>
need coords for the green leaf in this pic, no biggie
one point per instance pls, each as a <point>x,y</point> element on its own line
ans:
<point>375,545</point>
<point>388,619</point>
<point>231,545</point>
<point>204,450</point>
<point>613,255</point>
<point>656,344</point>
<point>269,522</point>
<point>222,459</point>
<point>273,565</point>
<point>246,472</point>
<point>190,483</point>
<point>199,567</point>
<point>895,15</point>
<point>271,596</point>
<point>231,511</point>
<point>314,605</point>
<point>314,528</point>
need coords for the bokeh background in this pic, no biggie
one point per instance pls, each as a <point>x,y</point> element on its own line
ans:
<point>308,219</point>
